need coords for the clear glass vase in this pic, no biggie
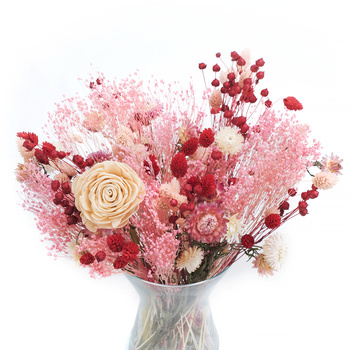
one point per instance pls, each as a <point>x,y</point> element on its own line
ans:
<point>174,317</point>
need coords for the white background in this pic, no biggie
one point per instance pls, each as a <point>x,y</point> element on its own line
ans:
<point>46,46</point>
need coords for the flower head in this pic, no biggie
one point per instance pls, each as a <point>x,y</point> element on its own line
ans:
<point>190,259</point>
<point>325,180</point>
<point>207,223</point>
<point>292,104</point>
<point>332,163</point>
<point>234,227</point>
<point>178,165</point>
<point>229,141</point>
<point>275,251</point>
<point>264,269</point>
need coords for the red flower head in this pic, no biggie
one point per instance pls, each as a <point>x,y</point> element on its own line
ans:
<point>206,138</point>
<point>48,148</point>
<point>31,140</point>
<point>100,256</point>
<point>130,251</point>
<point>41,156</point>
<point>208,185</point>
<point>273,221</point>
<point>292,104</point>
<point>190,146</point>
<point>120,262</point>
<point>193,181</point>
<point>115,242</point>
<point>87,259</point>
<point>247,241</point>
<point>178,165</point>
<point>155,166</point>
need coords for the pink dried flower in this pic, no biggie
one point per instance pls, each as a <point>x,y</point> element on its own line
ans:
<point>325,180</point>
<point>332,164</point>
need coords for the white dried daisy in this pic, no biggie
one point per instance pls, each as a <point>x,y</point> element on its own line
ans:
<point>190,259</point>
<point>274,251</point>
<point>229,141</point>
<point>234,227</point>
<point>324,180</point>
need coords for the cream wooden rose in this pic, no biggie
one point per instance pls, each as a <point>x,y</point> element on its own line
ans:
<point>107,195</point>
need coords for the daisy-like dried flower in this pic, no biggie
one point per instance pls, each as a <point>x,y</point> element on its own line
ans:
<point>332,164</point>
<point>229,141</point>
<point>190,259</point>
<point>264,269</point>
<point>275,251</point>
<point>325,180</point>
<point>215,99</point>
<point>234,227</point>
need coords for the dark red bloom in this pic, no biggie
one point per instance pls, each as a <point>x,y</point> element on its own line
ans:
<point>193,181</point>
<point>235,56</point>
<point>264,92</point>
<point>302,205</point>
<point>247,241</point>
<point>260,62</point>
<point>313,194</point>
<point>208,185</point>
<point>48,148</point>
<point>89,162</point>
<point>31,140</point>
<point>130,251</point>
<point>120,262</point>
<point>55,185</point>
<point>202,66</point>
<point>190,146</point>
<point>115,243</point>
<point>87,259</point>
<point>216,154</point>
<point>292,192</point>
<point>284,205</point>
<point>292,104</point>
<point>303,211</point>
<point>72,220</point>
<point>268,103</point>
<point>215,82</point>
<point>65,187</point>
<point>78,160</point>
<point>206,138</point>
<point>69,210</point>
<point>260,75</point>
<point>41,157</point>
<point>100,256</point>
<point>273,221</point>
<point>178,165</point>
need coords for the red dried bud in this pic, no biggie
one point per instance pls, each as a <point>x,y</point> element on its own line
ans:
<point>232,181</point>
<point>183,207</point>
<point>41,156</point>
<point>240,120</point>
<point>313,194</point>
<point>89,162</point>
<point>92,84</point>
<point>28,145</point>
<point>78,160</point>
<point>254,68</point>
<point>130,251</point>
<point>292,104</point>
<point>120,262</point>
<point>305,196</point>
<point>235,56</point>
<point>99,81</point>
<point>197,189</point>
<point>247,241</point>
<point>231,76</point>
<point>178,165</point>
<point>244,128</point>
<point>55,185</point>
<point>59,196</point>
<point>69,210</point>
<point>61,154</point>
<point>100,256</point>
<point>284,205</point>
<point>190,206</point>
<point>241,61</point>
<point>190,146</point>
<point>260,62</point>
<point>302,205</point>
<point>268,103</point>
<point>237,89</point>
<point>188,187</point>
<point>228,114</point>
<point>252,98</point>
<point>218,55</point>
<point>303,211</point>
<point>202,66</point>
<point>87,259</point>
<point>260,75</point>
<point>173,202</point>
<point>216,68</point>
<point>216,154</point>
<point>215,83</point>
<point>64,203</point>
<point>206,138</point>
<point>173,218</point>
<point>208,185</point>
<point>72,220</point>
<point>292,192</point>
<point>272,221</point>
<point>66,187</point>
<point>264,92</point>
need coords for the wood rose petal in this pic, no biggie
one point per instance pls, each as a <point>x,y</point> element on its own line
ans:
<point>107,195</point>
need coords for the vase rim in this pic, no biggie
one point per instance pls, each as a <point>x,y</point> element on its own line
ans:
<point>178,285</point>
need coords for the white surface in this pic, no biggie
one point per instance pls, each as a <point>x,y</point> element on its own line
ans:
<point>47,45</point>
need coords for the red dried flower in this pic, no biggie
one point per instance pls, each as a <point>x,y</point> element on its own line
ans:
<point>155,166</point>
<point>78,160</point>
<point>178,165</point>
<point>292,192</point>
<point>115,243</point>
<point>41,156</point>
<point>190,146</point>
<point>120,262</point>
<point>193,181</point>
<point>48,148</point>
<point>206,138</point>
<point>55,185</point>
<point>31,140</point>
<point>247,241</point>
<point>87,259</point>
<point>208,185</point>
<point>273,221</point>
<point>202,66</point>
<point>100,256</point>
<point>292,104</point>
<point>130,251</point>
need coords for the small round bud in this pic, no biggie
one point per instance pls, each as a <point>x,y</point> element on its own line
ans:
<point>173,202</point>
<point>235,56</point>
<point>216,68</point>
<point>284,205</point>
<point>260,75</point>
<point>228,114</point>
<point>302,205</point>
<point>173,218</point>
<point>231,76</point>
<point>215,83</point>
<point>254,68</point>
<point>241,62</point>
<point>216,154</point>
<point>55,185</point>
<point>264,92</point>
<point>218,55</point>
<point>100,256</point>
<point>232,181</point>
<point>202,66</point>
<point>197,189</point>
<point>260,62</point>
<point>292,192</point>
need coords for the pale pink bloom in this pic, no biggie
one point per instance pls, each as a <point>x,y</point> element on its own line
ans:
<point>187,130</point>
<point>190,259</point>
<point>229,141</point>
<point>94,122</point>
<point>234,227</point>
<point>202,154</point>
<point>125,137</point>
<point>275,251</point>
<point>215,100</point>
<point>77,138</point>
<point>332,164</point>
<point>325,180</point>
<point>264,269</point>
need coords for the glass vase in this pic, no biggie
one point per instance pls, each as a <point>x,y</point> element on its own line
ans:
<point>174,317</point>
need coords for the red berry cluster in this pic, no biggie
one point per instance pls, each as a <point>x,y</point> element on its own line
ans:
<point>82,163</point>
<point>64,199</point>
<point>310,194</point>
